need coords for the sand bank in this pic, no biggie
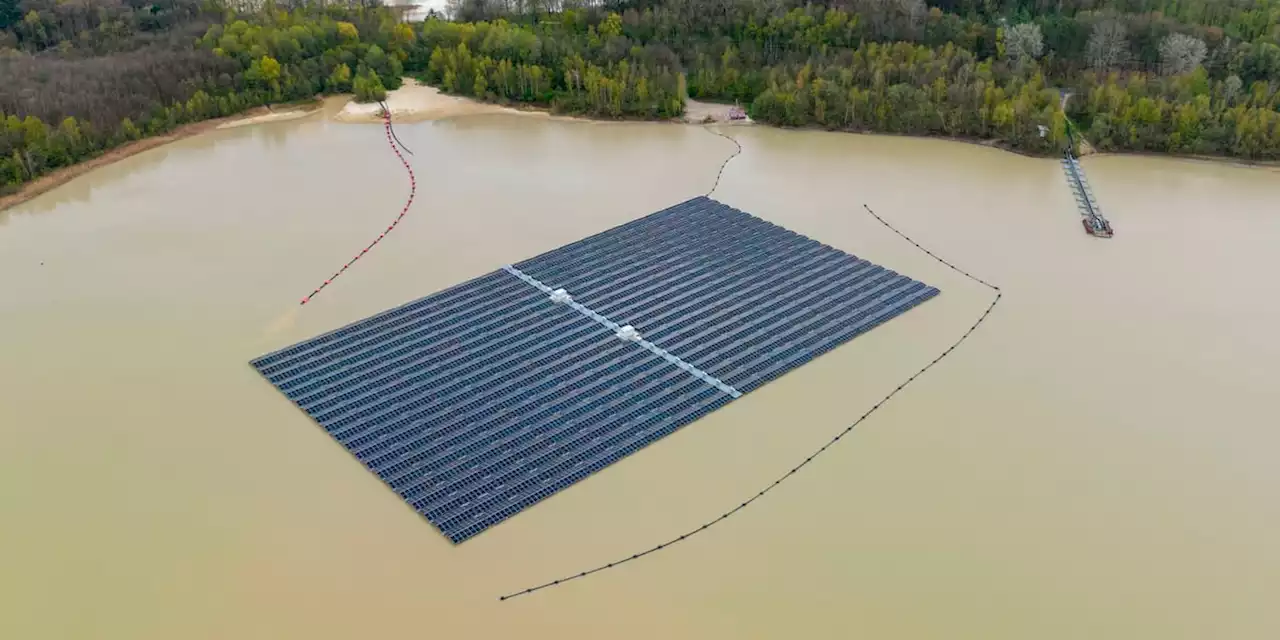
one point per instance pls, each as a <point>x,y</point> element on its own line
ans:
<point>709,112</point>
<point>270,116</point>
<point>415,102</point>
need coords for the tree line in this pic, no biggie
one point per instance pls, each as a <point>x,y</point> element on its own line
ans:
<point>69,92</point>
<point>1186,76</point>
<point>588,73</point>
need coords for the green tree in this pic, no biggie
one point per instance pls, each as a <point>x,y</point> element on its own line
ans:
<point>368,86</point>
<point>348,32</point>
<point>340,80</point>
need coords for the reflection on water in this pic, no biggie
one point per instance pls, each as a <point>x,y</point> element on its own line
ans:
<point>79,191</point>
<point>1095,462</point>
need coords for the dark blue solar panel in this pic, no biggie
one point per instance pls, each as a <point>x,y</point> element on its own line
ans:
<point>478,401</point>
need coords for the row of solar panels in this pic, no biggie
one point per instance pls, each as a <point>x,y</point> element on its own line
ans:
<point>490,295</point>
<point>478,481</point>
<point>459,364</point>
<point>466,437</point>
<point>414,453</point>
<point>369,441</point>
<point>481,368</point>
<point>706,238</point>
<point>319,345</point>
<point>359,363</point>
<point>466,487</point>
<point>510,455</point>
<point>750,285</point>
<point>481,400</point>
<point>652,429</point>
<point>365,383</point>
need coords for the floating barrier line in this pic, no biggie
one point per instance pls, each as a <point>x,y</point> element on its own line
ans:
<point>615,327</point>
<point>737,152</point>
<point>413,190</point>
<point>387,110</point>
<point>760,494</point>
<point>931,254</point>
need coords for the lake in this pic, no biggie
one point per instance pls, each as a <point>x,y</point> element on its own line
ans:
<point>1097,461</point>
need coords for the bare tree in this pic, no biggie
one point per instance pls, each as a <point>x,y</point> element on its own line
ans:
<point>913,13</point>
<point>1024,42</point>
<point>1181,53</point>
<point>1108,46</point>
<point>1231,88</point>
<point>104,90</point>
<point>889,19</point>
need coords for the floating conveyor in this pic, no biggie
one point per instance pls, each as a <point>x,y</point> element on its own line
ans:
<point>1094,223</point>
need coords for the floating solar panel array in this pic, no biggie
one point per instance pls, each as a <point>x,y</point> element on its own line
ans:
<point>478,401</point>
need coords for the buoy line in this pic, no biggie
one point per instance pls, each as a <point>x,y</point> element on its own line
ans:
<point>737,151</point>
<point>393,141</point>
<point>760,494</point>
<point>387,110</point>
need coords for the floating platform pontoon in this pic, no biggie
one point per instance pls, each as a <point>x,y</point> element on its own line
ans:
<point>1091,214</point>
<point>478,401</point>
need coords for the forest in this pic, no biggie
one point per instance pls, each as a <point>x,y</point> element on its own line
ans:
<point>1172,76</point>
<point>78,77</point>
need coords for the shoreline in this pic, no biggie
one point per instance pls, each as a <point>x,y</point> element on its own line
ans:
<point>272,116</point>
<point>418,102</point>
<point>1238,163</point>
<point>63,175</point>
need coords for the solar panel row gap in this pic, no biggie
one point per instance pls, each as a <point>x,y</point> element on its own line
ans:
<point>476,402</point>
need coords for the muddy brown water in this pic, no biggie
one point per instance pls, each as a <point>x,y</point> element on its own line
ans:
<point>1097,461</point>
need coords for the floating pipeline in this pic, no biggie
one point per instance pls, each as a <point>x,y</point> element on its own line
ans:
<point>761,493</point>
<point>392,140</point>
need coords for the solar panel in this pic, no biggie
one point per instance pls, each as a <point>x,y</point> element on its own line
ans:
<point>477,402</point>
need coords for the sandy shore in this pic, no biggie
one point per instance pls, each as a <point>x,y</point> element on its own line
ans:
<point>271,116</point>
<point>416,102</point>
<point>709,112</point>
<point>64,175</point>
